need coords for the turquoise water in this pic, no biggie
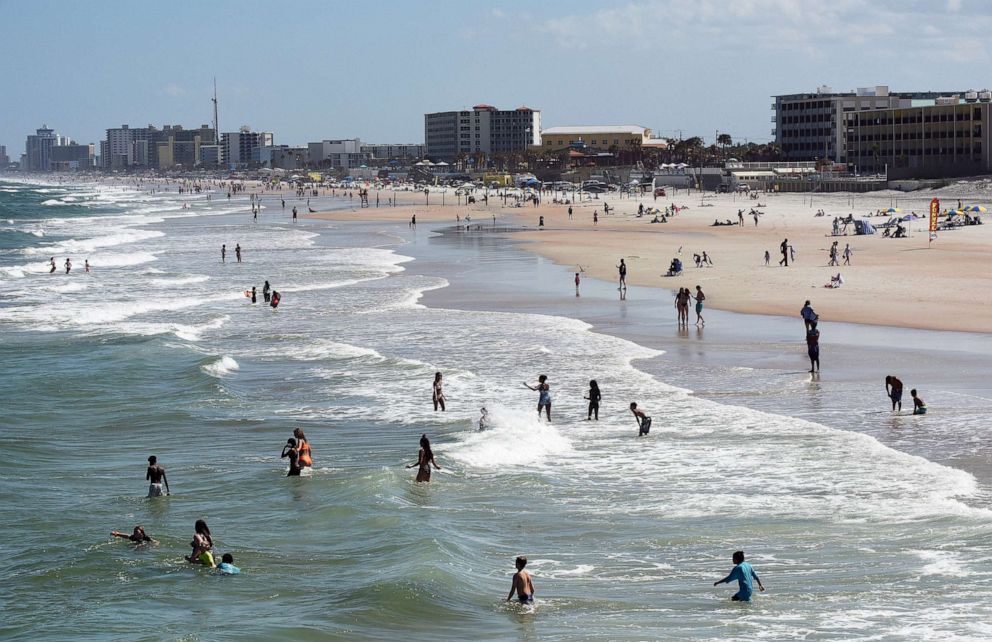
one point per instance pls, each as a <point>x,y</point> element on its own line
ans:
<point>157,351</point>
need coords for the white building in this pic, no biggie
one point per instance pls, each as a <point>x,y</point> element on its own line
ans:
<point>485,130</point>
<point>240,148</point>
<point>342,154</point>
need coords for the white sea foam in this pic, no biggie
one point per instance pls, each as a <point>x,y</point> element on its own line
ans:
<point>221,367</point>
<point>182,280</point>
<point>513,438</point>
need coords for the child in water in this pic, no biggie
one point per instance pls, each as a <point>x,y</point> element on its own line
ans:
<point>919,407</point>
<point>522,584</point>
<point>743,573</point>
<point>643,421</point>
<point>227,566</point>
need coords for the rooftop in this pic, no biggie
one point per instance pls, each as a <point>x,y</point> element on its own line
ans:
<point>594,129</point>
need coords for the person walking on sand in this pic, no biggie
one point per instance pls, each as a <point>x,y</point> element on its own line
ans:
<point>544,395</point>
<point>155,476</point>
<point>743,573</point>
<point>294,212</point>
<point>700,297</point>
<point>847,254</point>
<point>643,421</point>
<point>893,388</point>
<point>595,217</point>
<point>521,584</point>
<point>425,459</point>
<point>291,451</point>
<point>237,252</point>
<point>570,212</point>
<point>622,269</point>
<point>594,398</point>
<point>768,257</point>
<point>438,394</point>
<point>754,213</point>
<point>813,347</point>
<point>784,248</point>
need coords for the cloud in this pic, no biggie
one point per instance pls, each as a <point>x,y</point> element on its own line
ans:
<point>173,90</point>
<point>810,28</point>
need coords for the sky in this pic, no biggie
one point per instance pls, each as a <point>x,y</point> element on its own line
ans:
<point>311,70</point>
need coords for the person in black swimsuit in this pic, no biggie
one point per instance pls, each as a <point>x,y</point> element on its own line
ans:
<point>594,398</point>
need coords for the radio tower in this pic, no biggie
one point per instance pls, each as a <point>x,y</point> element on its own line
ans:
<point>216,129</point>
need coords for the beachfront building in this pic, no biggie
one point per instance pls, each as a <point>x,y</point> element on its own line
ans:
<point>940,138</point>
<point>341,154</point>
<point>149,147</point>
<point>455,136</point>
<point>810,126</point>
<point>38,149</point>
<point>71,156</point>
<point>399,154</point>
<point>601,138</point>
<point>240,149</point>
<point>4,159</point>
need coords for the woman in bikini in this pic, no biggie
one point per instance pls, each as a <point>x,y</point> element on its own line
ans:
<point>438,396</point>
<point>425,459</point>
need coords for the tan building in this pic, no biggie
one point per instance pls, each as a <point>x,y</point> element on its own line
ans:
<point>948,137</point>
<point>595,137</point>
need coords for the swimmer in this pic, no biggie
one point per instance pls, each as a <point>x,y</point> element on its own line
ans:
<point>743,573</point>
<point>138,536</point>
<point>425,459</point>
<point>201,544</point>
<point>544,400</point>
<point>919,407</point>
<point>306,457</point>
<point>227,566</point>
<point>155,475</point>
<point>483,418</point>
<point>52,263</point>
<point>643,421</point>
<point>290,450</point>
<point>522,584</point>
<point>86,264</point>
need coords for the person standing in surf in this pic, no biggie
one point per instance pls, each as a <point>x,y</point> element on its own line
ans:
<point>303,446</point>
<point>68,265</point>
<point>813,347</point>
<point>293,453</point>
<point>52,263</point>
<point>893,388</point>
<point>202,545</point>
<point>622,269</point>
<point>544,395</point>
<point>237,252</point>
<point>700,297</point>
<point>223,253</point>
<point>265,292</point>
<point>155,476</point>
<point>425,459</point>
<point>643,421</point>
<point>438,394</point>
<point>743,573</point>
<point>594,397</point>
<point>522,584</point>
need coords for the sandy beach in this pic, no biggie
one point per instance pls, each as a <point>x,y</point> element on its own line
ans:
<point>894,282</point>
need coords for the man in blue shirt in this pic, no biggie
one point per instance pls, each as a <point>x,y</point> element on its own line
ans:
<point>227,565</point>
<point>743,573</point>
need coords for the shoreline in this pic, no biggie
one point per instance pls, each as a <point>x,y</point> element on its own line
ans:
<point>754,361</point>
<point>934,293</point>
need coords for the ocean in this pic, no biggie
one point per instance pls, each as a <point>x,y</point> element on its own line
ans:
<point>157,351</point>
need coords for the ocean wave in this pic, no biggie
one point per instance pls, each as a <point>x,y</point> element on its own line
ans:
<point>221,367</point>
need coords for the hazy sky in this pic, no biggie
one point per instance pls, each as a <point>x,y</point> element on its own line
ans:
<point>331,69</point>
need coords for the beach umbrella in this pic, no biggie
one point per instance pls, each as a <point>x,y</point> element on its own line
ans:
<point>975,208</point>
<point>893,210</point>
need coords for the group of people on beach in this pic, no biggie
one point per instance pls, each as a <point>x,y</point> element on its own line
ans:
<point>682,299</point>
